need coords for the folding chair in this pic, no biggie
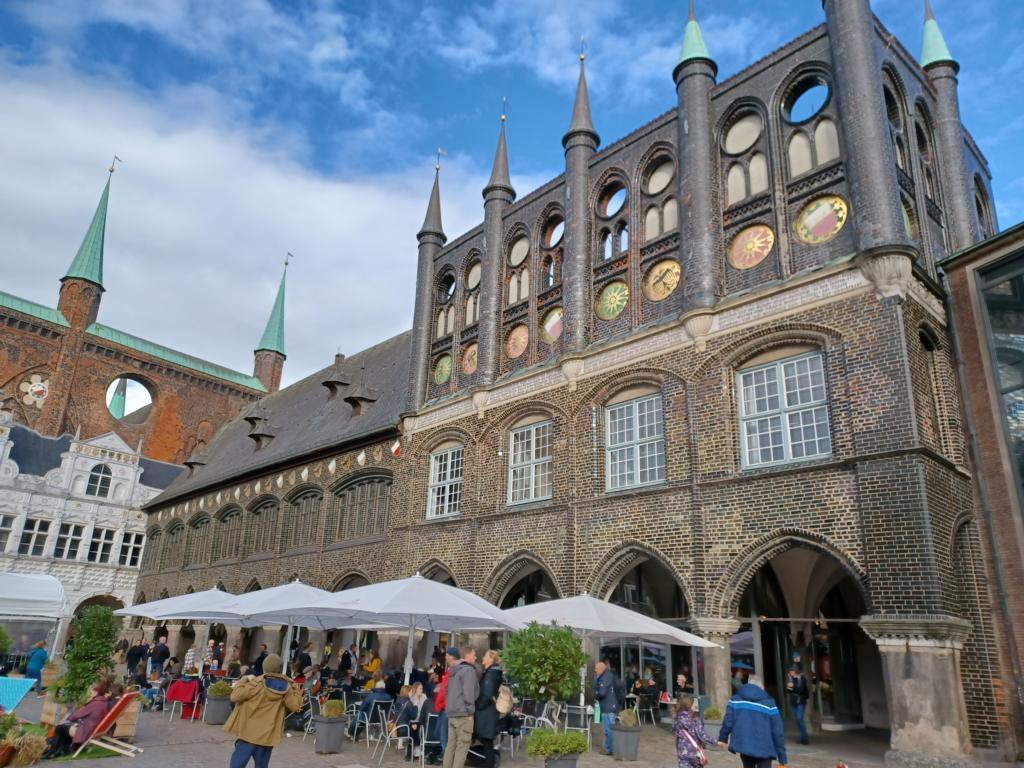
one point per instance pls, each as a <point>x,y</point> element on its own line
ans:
<point>578,719</point>
<point>182,692</point>
<point>99,737</point>
<point>315,709</point>
<point>426,741</point>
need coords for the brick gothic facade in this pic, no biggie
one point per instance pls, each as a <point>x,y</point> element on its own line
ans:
<point>775,440</point>
<point>56,366</point>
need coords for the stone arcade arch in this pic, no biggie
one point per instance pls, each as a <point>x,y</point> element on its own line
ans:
<point>521,579</point>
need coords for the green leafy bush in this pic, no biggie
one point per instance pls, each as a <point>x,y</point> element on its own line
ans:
<point>5,640</point>
<point>545,743</point>
<point>627,717</point>
<point>334,708</point>
<point>91,655</point>
<point>711,713</point>
<point>544,660</point>
<point>221,689</point>
<point>8,723</point>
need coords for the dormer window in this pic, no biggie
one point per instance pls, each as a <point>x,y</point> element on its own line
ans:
<point>99,482</point>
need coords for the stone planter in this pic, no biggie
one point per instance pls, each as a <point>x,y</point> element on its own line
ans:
<point>218,708</point>
<point>563,761</point>
<point>330,733</point>
<point>712,727</point>
<point>124,726</point>
<point>625,741</point>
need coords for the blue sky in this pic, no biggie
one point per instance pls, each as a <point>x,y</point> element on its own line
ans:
<point>249,128</point>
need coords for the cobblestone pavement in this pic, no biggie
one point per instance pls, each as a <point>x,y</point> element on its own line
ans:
<point>184,744</point>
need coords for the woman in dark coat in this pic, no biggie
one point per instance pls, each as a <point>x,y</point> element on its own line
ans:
<point>485,721</point>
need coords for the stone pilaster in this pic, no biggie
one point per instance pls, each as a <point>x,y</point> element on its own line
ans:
<point>717,661</point>
<point>921,665</point>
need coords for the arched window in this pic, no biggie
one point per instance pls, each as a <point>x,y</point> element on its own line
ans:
<point>99,482</point>
<point>606,246</point>
<point>670,215</point>
<point>445,481</point>
<point>826,142</point>
<point>742,143</point>
<point>363,507</point>
<point>612,212</point>
<point>800,158</point>
<point>513,289</point>
<point>151,554</point>
<point>758,174</point>
<point>897,126</point>
<point>173,550</point>
<point>524,284</point>
<point>736,184</point>
<point>197,549</point>
<point>443,295</point>
<point>263,524</point>
<point>305,518</point>
<point>550,267</point>
<point>472,309</point>
<point>652,223</point>
<point>624,238</point>
<point>472,290</point>
<point>926,159</point>
<point>439,331</point>
<point>986,223</point>
<point>228,537</point>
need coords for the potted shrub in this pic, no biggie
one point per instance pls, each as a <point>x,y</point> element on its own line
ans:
<point>92,653</point>
<point>8,725</point>
<point>545,660</point>
<point>218,703</point>
<point>626,736</point>
<point>330,728</point>
<point>712,722</point>
<point>559,750</point>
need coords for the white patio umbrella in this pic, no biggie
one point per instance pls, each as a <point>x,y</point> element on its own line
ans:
<point>415,603</point>
<point>593,618</point>
<point>187,606</point>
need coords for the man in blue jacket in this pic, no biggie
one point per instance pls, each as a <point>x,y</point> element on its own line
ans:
<point>752,727</point>
<point>607,691</point>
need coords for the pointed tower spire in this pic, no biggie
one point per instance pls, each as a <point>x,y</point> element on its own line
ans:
<point>581,121</point>
<point>933,45</point>
<point>88,263</point>
<point>273,334</point>
<point>432,221</point>
<point>499,173</point>
<point>693,40</point>
<point>118,399</point>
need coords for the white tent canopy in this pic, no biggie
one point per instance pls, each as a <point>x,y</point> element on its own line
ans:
<point>591,617</point>
<point>30,596</point>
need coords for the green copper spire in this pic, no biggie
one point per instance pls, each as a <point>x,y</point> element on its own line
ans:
<point>273,334</point>
<point>88,263</point>
<point>117,400</point>
<point>693,40</point>
<point>933,46</point>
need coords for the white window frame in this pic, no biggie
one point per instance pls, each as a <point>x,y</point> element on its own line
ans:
<point>636,444</point>
<point>131,548</point>
<point>784,411</point>
<point>101,545</point>
<point>98,483</point>
<point>445,483</point>
<point>69,541</point>
<point>32,529</point>
<point>530,464</point>
<point>6,529</point>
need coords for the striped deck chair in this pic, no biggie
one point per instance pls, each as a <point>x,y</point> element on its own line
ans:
<point>99,737</point>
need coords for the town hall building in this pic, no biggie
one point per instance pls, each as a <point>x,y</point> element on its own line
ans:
<point>704,373</point>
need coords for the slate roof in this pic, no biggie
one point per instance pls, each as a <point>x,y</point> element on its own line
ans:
<point>36,455</point>
<point>303,420</point>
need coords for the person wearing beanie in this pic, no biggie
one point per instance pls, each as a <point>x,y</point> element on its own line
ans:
<point>261,704</point>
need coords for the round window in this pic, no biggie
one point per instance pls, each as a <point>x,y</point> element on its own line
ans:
<point>806,99</point>
<point>129,400</point>
<point>473,276</point>
<point>446,289</point>
<point>554,231</point>
<point>520,250</point>
<point>743,133</point>
<point>660,176</point>
<point>612,199</point>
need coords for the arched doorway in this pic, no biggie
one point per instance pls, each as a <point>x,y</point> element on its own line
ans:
<point>533,586</point>
<point>803,607</point>
<point>108,601</point>
<point>650,588</point>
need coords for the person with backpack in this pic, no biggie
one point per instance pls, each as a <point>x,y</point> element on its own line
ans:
<point>486,717</point>
<point>752,727</point>
<point>799,693</point>
<point>261,704</point>
<point>609,694</point>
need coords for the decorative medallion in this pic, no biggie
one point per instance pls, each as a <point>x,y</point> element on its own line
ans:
<point>469,359</point>
<point>346,463</point>
<point>517,342</point>
<point>661,280</point>
<point>443,369</point>
<point>36,388</point>
<point>378,453</point>
<point>821,219</point>
<point>751,246</point>
<point>613,299</point>
<point>551,327</point>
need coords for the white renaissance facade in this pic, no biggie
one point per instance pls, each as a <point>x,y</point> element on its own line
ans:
<point>71,508</point>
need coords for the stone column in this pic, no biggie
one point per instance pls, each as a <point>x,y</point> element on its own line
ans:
<point>921,664</point>
<point>717,661</point>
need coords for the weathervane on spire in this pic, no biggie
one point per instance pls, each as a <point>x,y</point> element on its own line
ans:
<point>583,47</point>
<point>287,258</point>
<point>440,153</point>
<point>504,108</point>
<point>112,162</point>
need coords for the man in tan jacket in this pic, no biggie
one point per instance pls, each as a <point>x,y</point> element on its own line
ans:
<point>257,721</point>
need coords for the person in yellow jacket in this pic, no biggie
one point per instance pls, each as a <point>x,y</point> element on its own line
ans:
<point>261,704</point>
<point>371,666</point>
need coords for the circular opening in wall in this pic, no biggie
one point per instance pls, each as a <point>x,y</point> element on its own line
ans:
<point>612,199</point>
<point>519,251</point>
<point>743,133</point>
<point>659,176</point>
<point>473,276</point>
<point>554,231</point>
<point>806,99</point>
<point>445,288</point>
<point>129,400</point>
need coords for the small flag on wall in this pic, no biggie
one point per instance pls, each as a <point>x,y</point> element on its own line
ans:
<point>361,458</point>
<point>396,448</point>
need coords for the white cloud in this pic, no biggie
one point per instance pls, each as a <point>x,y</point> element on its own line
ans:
<point>201,214</point>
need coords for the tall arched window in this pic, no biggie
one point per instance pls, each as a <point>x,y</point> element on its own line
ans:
<point>151,554</point>
<point>99,482</point>
<point>305,518</point>
<point>263,524</point>
<point>228,537</point>
<point>197,549</point>
<point>173,550</point>
<point>363,507</point>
